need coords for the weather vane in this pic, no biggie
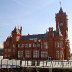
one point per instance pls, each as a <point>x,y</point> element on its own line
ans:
<point>60,3</point>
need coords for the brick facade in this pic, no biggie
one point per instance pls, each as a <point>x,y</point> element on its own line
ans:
<point>53,44</point>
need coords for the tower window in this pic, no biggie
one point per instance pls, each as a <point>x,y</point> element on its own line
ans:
<point>61,44</point>
<point>57,45</point>
<point>57,54</point>
<point>61,24</point>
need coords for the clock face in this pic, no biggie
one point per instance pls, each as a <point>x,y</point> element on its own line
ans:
<point>61,24</point>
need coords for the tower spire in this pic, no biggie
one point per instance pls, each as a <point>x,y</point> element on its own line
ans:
<point>61,10</point>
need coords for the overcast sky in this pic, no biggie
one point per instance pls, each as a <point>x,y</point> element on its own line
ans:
<point>35,16</point>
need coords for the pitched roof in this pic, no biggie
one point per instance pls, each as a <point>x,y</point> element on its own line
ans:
<point>37,36</point>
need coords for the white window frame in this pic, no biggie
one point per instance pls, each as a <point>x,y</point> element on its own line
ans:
<point>34,45</point>
<point>22,45</point>
<point>44,54</point>
<point>29,45</point>
<point>58,44</point>
<point>13,45</point>
<point>45,45</point>
<point>57,54</point>
<point>28,54</point>
<point>20,54</point>
<point>61,44</point>
<point>38,44</point>
<point>26,45</point>
<point>36,54</point>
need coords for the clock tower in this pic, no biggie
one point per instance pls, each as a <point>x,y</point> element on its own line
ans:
<point>61,22</point>
<point>62,26</point>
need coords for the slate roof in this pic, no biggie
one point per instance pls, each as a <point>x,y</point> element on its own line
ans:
<point>56,33</point>
<point>38,36</point>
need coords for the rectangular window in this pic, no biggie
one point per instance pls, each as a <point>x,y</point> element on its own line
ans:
<point>44,54</point>
<point>28,54</point>
<point>9,50</point>
<point>57,54</point>
<point>38,45</point>
<point>19,45</point>
<point>6,50</point>
<point>13,50</point>
<point>45,45</point>
<point>22,45</point>
<point>20,54</point>
<point>36,54</point>
<point>26,45</point>
<point>34,44</point>
<point>13,45</point>
<point>29,45</point>
<point>61,53</point>
<point>57,44</point>
<point>61,44</point>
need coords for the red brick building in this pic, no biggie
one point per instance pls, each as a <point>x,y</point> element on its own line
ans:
<point>53,44</point>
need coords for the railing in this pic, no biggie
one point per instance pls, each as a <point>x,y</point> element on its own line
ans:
<point>49,64</point>
<point>5,63</point>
